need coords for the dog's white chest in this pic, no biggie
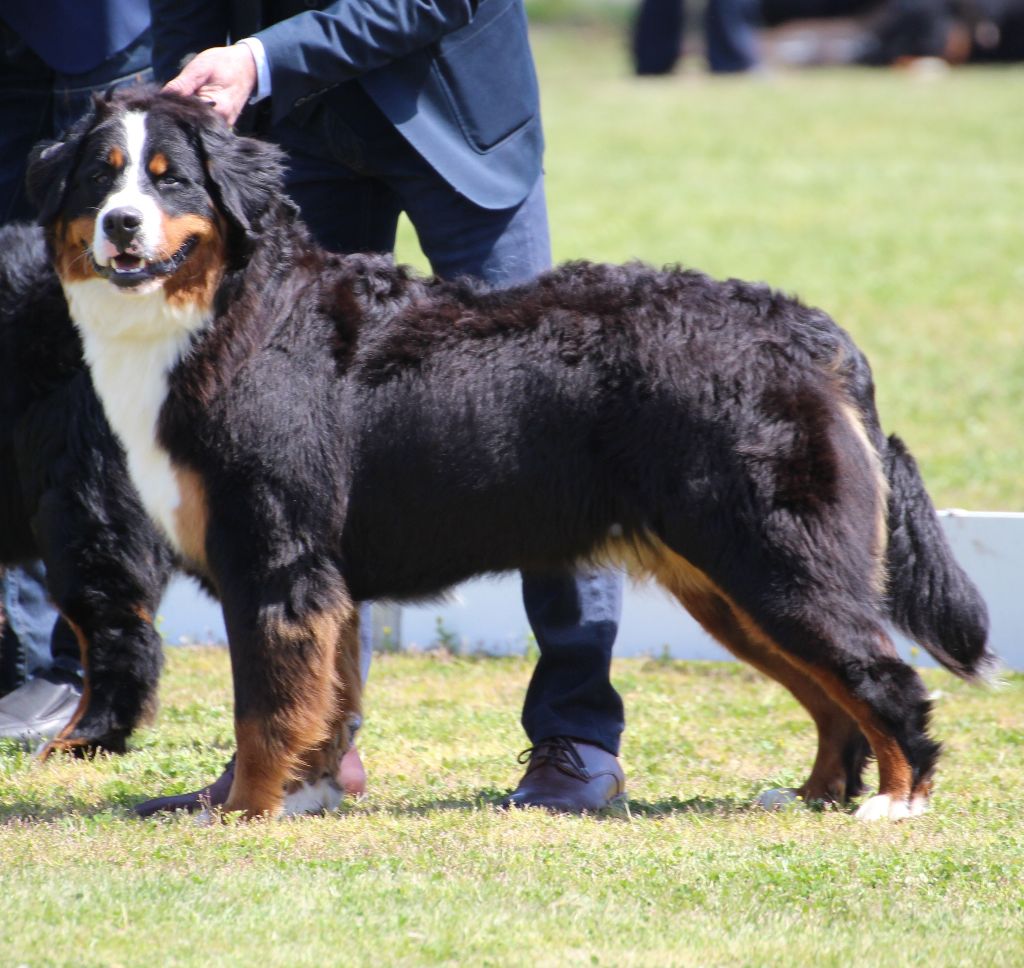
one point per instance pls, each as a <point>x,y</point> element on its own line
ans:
<point>131,351</point>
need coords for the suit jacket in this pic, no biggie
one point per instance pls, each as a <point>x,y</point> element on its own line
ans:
<point>456,77</point>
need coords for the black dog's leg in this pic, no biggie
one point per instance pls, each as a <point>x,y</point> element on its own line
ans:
<point>842,749</point>
<point>122,656</point>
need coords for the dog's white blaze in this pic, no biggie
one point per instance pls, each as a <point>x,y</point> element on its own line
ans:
<point>131,343</point>
<point>131,194</point>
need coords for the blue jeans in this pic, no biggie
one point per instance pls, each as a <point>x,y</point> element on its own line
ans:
<point>352,175</point>
<point>36,103</point>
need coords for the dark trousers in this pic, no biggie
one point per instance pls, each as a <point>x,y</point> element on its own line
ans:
<point>35,103</point>
<point>728,35</point>
<point>352,174</point>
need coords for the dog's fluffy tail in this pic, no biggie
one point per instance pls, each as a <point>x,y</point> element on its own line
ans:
<point>930,598</point>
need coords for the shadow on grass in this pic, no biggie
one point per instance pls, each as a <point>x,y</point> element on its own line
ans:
<point>492,799</point>
<point>120,804</point>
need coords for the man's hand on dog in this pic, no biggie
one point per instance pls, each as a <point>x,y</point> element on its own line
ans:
<point>224,76</point>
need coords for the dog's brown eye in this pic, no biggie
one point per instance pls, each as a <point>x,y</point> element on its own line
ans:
<point>168,181</point>
<point>102,176</point>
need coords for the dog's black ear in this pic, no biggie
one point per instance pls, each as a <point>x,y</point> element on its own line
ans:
<point>50,164</point>
<point>246,177</point>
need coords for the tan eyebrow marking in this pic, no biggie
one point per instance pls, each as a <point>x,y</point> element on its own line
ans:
<point>115,158</point>
<point>158,164</point>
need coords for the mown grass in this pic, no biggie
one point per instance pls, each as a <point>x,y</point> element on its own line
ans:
<point>426,871</point>
<point>894,203</point>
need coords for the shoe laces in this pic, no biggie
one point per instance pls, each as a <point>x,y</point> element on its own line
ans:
<point>559,752</point>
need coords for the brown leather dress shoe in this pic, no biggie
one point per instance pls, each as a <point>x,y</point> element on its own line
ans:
<point>568,776</point>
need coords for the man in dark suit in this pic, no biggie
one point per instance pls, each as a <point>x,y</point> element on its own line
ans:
<point>53,55</point>
<point>429,108</point>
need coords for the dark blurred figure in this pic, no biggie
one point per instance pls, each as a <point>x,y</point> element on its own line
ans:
<point>899,31</point>
<point>729,35</point>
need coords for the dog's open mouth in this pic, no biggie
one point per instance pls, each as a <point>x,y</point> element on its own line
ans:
<point>127,270</point>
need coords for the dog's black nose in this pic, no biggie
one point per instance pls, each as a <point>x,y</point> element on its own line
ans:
<point>121,225</point>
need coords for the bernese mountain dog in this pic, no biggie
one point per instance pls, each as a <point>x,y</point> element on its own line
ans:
<point>312,430</point>
<point>66,497</point>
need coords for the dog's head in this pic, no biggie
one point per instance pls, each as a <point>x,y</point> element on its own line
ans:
<point>153,191</point>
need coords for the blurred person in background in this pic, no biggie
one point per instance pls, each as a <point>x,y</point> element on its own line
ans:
<point>730,38</point>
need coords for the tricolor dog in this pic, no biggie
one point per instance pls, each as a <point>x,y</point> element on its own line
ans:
<point>65,497</point>
<point>312,431</point>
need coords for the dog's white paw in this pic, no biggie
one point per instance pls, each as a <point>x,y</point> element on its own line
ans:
<point>918,806</point>
<point>324,796</point>
<point>884,807</point>
<point>777,798</point>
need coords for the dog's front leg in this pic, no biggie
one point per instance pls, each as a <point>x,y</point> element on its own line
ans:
<point>318,788</point>
<point>285,669</point>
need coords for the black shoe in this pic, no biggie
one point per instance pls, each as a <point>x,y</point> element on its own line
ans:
<point>40,709</point>
<point>568,776</point>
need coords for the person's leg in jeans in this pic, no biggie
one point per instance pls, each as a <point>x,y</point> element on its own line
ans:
<point>572,713</point>
<point>345,212</point>
<point>41,657</point>
<point>574,616</point>
<point>351,201</point>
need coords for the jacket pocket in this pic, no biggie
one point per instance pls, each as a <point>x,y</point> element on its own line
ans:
<point>486,70</point>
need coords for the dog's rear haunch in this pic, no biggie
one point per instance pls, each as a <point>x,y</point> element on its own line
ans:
<point>338,430</point>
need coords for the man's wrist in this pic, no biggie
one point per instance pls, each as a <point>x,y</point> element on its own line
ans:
<point>259,57</point>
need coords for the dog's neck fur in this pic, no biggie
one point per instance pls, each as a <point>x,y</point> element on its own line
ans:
<point>132,343</point>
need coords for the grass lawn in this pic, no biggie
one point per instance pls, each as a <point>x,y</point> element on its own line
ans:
<point>895,203</point>
<point>425,871</point>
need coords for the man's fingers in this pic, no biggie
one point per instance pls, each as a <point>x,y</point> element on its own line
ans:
<point>224,77</point>
<point>189,81</point>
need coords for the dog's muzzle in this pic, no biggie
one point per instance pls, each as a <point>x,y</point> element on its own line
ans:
<point>128,276</point>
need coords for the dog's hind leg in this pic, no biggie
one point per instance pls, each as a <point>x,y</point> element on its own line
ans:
<point>842,749</point>
<point>852,660</point>
<point>284,663</point>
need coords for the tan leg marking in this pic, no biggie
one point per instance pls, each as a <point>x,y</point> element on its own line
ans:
<point>61,741</point>
<point>283,745</point>
<point>316,790</point>
<point>192,517</point>
<point>816,688</point>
